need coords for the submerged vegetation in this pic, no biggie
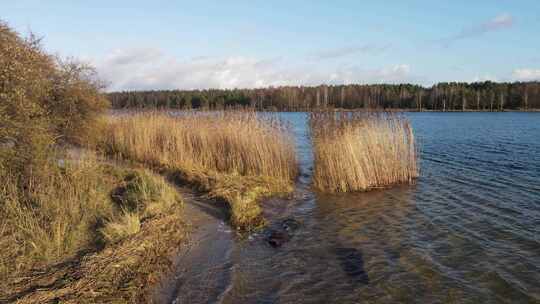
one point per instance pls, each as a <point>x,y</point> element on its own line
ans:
<point>237,156</point>
<point>358,151</point>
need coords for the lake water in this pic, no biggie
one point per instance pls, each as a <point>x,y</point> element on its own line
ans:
<point>467,232</point>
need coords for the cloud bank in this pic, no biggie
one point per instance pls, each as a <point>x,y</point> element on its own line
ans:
<point>145,69</point>
<point>526,74</point>
<point>500,22</point>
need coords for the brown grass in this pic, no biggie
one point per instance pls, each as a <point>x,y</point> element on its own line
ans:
<point>241,193</point>
<point>77,206</point>
<point>52,217</point>
<point>359,151</point>
<point>236,156</point>
<point>124,272</point>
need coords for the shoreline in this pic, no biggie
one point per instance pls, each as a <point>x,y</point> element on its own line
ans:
<point>129,110</point>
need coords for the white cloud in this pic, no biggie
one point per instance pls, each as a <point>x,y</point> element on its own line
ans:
<point>500,22</point>
<point>126,57</point>
<point>394,74</point>
<point>526,74</point>
<point>143,69</point>
<point>350,50</point>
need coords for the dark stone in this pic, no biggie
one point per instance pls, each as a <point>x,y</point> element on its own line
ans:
<point>290,225</point>
<point>277,238</point>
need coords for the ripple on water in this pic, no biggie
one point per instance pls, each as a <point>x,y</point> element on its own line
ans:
<point>467,232</point>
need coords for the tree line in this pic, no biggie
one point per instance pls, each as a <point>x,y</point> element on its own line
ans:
<point>454,96</point>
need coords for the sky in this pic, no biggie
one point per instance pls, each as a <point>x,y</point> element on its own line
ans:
<point>140,45</point>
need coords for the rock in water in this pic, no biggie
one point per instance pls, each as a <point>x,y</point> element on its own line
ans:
<point>290,225</point>
<point>277,238</point>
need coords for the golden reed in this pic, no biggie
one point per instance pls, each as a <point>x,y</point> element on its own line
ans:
<point>231,142</point>
<point>359,151</point>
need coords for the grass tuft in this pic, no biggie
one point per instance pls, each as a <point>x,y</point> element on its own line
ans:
<point>145,194</point>
<point>128,224</point>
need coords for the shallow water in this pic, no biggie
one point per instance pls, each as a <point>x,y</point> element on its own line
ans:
<point>467,232</point>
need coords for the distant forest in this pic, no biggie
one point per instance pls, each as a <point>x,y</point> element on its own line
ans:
<point>478,96</point>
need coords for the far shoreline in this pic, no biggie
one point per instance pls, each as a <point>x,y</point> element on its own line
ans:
<point>137,109</point>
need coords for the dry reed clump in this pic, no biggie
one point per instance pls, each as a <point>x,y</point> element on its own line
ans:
<point>231,142</point>
<point>358,151</point>
<point>236,156</point>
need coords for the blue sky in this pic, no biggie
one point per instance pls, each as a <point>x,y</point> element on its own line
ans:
<point>225,44</point>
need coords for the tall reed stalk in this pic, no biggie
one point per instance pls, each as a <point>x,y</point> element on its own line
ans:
<point>232,142</point>
<point>359,151</point>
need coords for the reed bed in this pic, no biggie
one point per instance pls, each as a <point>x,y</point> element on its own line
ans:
<point>235,156</point>
<point>359,151</point>
<point>231,142</point>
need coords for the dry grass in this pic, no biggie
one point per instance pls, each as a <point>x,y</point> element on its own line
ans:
<point>129,223</point>
<point>123,272</point>
<point>51,218</point>
<point>88,232</point>
<point>241,193</point>
<point>61,231</point>
<point>71,209</point>
<point>232,142</point>
<point>237,156</point>
<point>358,151</point>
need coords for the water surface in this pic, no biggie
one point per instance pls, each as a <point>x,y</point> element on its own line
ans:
<point>467,232</point>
